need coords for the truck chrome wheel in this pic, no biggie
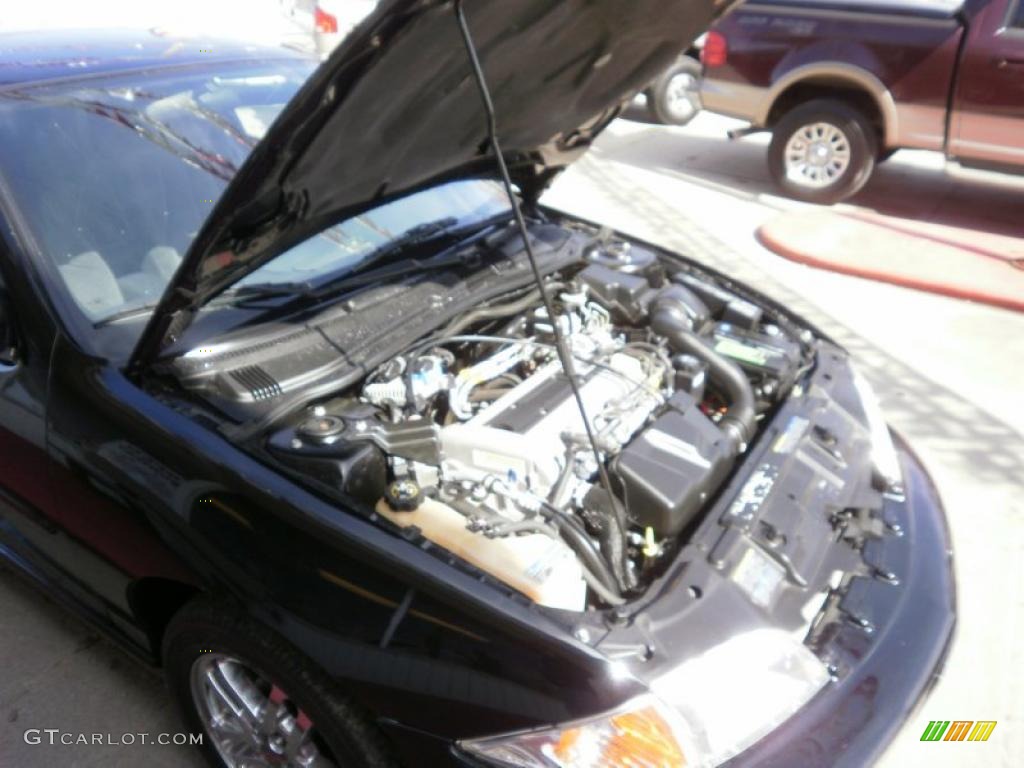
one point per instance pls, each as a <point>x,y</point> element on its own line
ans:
<point>681,96</point>
<point>817,155</point>
<point>251,721</point>
<point>674,98</point>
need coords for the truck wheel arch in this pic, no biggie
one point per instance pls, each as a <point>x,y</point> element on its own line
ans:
<point>834,80</point>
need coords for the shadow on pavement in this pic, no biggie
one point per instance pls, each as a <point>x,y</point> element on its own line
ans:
<point>636,112</point>
<point>899,188</point>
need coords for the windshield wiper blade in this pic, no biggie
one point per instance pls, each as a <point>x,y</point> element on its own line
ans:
<point>412,237</point>
<point>241,295</point>
<point>125,314</point>
<point>386,264</point>
<point>380,264</point>
<point>256,292</point>
<point>418,234</point>
<point>391,270</point>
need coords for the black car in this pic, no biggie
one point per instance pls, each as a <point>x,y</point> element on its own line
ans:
<point>294,406</point>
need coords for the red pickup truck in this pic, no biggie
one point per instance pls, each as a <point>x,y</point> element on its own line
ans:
<point>842,84</point>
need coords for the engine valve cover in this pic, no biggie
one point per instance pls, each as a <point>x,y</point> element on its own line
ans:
<point>521,437</point>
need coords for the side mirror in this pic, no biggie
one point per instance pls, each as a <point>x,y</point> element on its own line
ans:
<point>9,356</point>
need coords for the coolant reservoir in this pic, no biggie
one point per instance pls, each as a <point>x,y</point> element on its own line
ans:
<point>542,568</point>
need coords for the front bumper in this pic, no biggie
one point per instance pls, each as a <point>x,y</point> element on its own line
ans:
<point>891,666</point>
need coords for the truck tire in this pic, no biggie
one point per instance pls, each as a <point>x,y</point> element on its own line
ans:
<point>252,696</point>
<point>822,151</point>
<point>674,98</point>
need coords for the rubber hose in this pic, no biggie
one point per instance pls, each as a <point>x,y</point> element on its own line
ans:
<point>669,318</point>
<point>498,310</point>
<point>613,539</point>
<point>581,544</point>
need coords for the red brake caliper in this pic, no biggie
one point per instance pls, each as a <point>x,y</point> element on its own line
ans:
<point>277,695</point>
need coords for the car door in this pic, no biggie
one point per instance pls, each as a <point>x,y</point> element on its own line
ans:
<point>988,116</point>
<point>61,522</point>
<point>27,529</point>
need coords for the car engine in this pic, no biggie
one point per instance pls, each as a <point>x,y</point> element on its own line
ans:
<point>473,437</point>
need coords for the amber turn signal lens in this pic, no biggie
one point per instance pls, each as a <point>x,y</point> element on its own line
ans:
<point>642,734</point>
<point>637,739</point>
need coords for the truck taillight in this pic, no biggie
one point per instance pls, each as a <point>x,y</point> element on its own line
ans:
<point>715,51</point>
<point>324,21</point>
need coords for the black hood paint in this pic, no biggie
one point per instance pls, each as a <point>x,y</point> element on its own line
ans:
<point>396,109</point>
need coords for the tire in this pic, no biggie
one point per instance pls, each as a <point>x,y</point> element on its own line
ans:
<point>845,140</point>
<point>674,99</point>
<point>207,639</point>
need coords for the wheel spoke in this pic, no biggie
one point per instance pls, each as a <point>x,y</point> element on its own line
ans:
<point>224,683</point>
<point>228,727</point>
<point>294,740</point>
<point>250,721</point>
<point>241,753</point>
<point>273,711</point>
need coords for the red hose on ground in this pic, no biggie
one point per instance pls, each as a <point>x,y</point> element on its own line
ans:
<point>877,251</point>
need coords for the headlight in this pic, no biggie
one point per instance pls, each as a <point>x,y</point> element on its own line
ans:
<point>703,712</point>
<point>741,690</point>
<point>643,733</point>
<point>883,452</point>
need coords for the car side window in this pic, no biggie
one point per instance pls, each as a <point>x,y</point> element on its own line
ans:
<point>114,176</point>
<point>1017,15</point>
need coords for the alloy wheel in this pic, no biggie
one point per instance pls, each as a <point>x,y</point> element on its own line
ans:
<point>252,722</point>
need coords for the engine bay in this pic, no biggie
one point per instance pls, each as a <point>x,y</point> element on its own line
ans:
<point>472,437</point>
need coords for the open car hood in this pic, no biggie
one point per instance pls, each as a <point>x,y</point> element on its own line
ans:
<point>396,109</point>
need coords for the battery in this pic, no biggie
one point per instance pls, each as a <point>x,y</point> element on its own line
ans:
<point>770,355</point>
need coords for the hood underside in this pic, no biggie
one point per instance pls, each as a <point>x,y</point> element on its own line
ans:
<point>396,109</point>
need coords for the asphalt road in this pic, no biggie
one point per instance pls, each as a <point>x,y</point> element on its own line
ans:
<point>949,374</point>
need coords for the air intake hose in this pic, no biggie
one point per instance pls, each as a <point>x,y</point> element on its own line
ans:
<point>672,313</point>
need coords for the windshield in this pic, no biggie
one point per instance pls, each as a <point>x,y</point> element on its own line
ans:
<point>342,247</point>
<point>114,177</point>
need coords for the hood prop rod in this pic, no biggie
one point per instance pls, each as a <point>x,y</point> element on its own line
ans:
<point>618,555</point>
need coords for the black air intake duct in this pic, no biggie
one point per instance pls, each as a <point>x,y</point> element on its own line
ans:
<point>671,314</point>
